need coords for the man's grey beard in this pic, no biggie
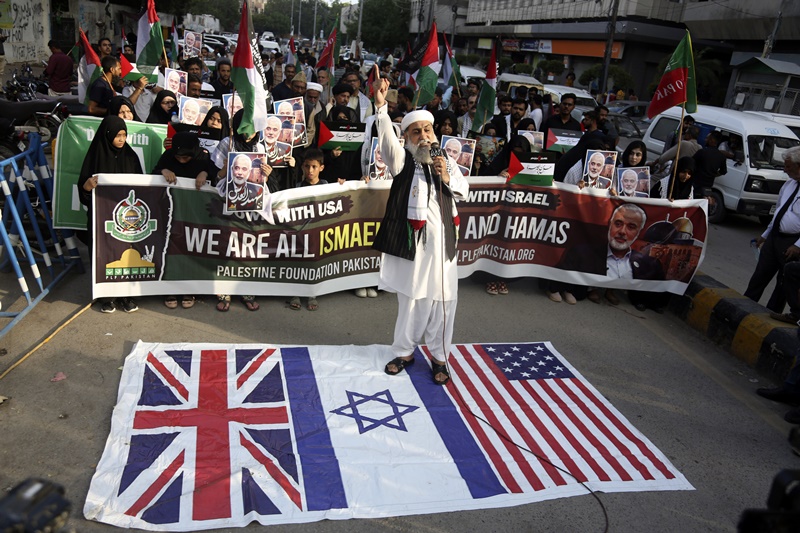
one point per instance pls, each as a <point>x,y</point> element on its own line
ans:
<point>421,154</point>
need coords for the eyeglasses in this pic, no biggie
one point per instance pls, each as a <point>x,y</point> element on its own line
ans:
<point>169,102</point>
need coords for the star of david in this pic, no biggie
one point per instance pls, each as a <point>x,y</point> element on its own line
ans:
<point>366,423</point>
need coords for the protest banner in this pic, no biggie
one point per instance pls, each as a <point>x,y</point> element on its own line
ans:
<point>74,137</point>
<point>151,239</point>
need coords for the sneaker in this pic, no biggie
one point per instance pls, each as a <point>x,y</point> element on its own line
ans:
<point>361,293</point>
<point>108,307</point>
<point>372,293</point>
<point>128,305</point>
<point>554,296</point>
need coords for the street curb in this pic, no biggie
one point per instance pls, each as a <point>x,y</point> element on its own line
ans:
<point>740,325</point>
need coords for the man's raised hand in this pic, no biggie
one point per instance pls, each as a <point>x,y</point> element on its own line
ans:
<point>380,86</point>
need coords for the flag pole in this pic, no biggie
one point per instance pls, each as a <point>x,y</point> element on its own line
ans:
<point>677,152</point>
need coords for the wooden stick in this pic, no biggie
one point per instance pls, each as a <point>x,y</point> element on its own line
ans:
<point>677,152</point>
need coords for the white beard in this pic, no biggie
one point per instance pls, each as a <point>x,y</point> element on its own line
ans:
<point>421,153</point>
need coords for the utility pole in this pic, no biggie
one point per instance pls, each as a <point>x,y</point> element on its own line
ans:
<point>770,42</point>
<point>291,19</point>
<point>612,28</point>
<point>358,36</point>
<point>299,20</point>
<point>420,18</point>
<point>314,34</point>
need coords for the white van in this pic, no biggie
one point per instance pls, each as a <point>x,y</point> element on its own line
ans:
<point>754,176</point>
<point>791,121</point>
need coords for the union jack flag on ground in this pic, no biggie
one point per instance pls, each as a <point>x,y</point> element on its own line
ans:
<point>209,436</point>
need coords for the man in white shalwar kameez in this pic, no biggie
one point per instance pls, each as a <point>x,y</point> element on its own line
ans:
<point>418,237</point>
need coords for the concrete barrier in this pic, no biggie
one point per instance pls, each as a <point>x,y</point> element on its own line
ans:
<point>740,325</point>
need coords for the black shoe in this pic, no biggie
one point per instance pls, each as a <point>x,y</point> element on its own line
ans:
<point>129,306</point>
<point>641,307</point>
<point>793,416</point>
<point>781,395</point>
<point>789,318</point>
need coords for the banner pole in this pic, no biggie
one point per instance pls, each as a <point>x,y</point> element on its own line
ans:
<point>677,152</point>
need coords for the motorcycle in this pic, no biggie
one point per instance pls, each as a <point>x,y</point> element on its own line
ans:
<point>46,123</point>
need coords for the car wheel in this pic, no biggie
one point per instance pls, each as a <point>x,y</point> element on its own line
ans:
<point>716,210</point>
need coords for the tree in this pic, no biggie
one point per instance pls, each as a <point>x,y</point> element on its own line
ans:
<point>618,76</point>
<point>384,24</point>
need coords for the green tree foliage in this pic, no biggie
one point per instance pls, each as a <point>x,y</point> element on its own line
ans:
<point>618,76</point>
<point>553,65</point>
<point>384,24</point>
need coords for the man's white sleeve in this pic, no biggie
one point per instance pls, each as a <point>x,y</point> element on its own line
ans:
<point>392,153</point>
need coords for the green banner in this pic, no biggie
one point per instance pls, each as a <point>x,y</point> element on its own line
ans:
<point>74,137</point>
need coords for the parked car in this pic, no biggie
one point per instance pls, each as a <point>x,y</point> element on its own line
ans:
<point>755,174</point>
<point>635,109</point>
<point>627,129</point>
<point>583,100</point>
<point>508,83</point>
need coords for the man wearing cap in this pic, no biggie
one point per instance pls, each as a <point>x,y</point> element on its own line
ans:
<point>341,96</point>
<point>313,108</point>
<point>299,84</point>
<point>418,237</point>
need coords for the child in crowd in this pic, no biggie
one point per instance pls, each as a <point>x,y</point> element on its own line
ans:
<point>313,165</point>
<point>109,153</point>
<point>185,159</point>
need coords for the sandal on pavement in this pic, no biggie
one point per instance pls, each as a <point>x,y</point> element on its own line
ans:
<point>399,364</point>
<point>502,288</point>
<point>187,302</point>
<point>491,288</point>
<point>294,304</point>
<point>440,369</point>
<point>171,302</point>
<point>312,304</point>
<point>224,303</point>
<point>250,303</point>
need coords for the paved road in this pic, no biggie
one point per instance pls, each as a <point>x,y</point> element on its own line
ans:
<point>694,401</point>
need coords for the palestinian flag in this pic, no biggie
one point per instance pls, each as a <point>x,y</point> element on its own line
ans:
<point>89,69</point>
<point>247,80</point>
<point>451,73</point>
<point>484,110</point>
<point>531,169</point>
<point>149,43</point>
<point>129,70</point>
<point>678,84</point>
<point>427,77</point>
<point>562,140</point>
<point>346,137</point>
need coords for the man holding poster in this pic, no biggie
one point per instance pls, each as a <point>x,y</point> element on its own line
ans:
<point>418,237</point>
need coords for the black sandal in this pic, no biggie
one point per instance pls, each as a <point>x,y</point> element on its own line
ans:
<point>440,369</point>
<point>399,363</point>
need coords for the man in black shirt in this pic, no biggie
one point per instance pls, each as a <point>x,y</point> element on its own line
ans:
<point>223,84</point>
<point>564,120</point>
<point>709,163</point>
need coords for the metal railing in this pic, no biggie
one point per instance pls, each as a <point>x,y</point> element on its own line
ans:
<point>26,229</point>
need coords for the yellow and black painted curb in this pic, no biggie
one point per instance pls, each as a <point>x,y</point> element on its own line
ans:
<point>739,324</point>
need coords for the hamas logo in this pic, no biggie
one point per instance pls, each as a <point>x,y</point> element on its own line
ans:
<point>131,221</point>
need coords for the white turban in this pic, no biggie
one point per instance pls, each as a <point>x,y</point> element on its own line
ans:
<point>420,115</point>
<point>314,86</point>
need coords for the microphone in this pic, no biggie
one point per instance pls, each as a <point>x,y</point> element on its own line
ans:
<point>436,150</point>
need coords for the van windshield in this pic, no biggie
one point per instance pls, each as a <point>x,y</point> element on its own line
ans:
<point>767,152</point>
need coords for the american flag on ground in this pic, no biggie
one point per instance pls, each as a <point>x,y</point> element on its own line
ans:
<point>207,436</point>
